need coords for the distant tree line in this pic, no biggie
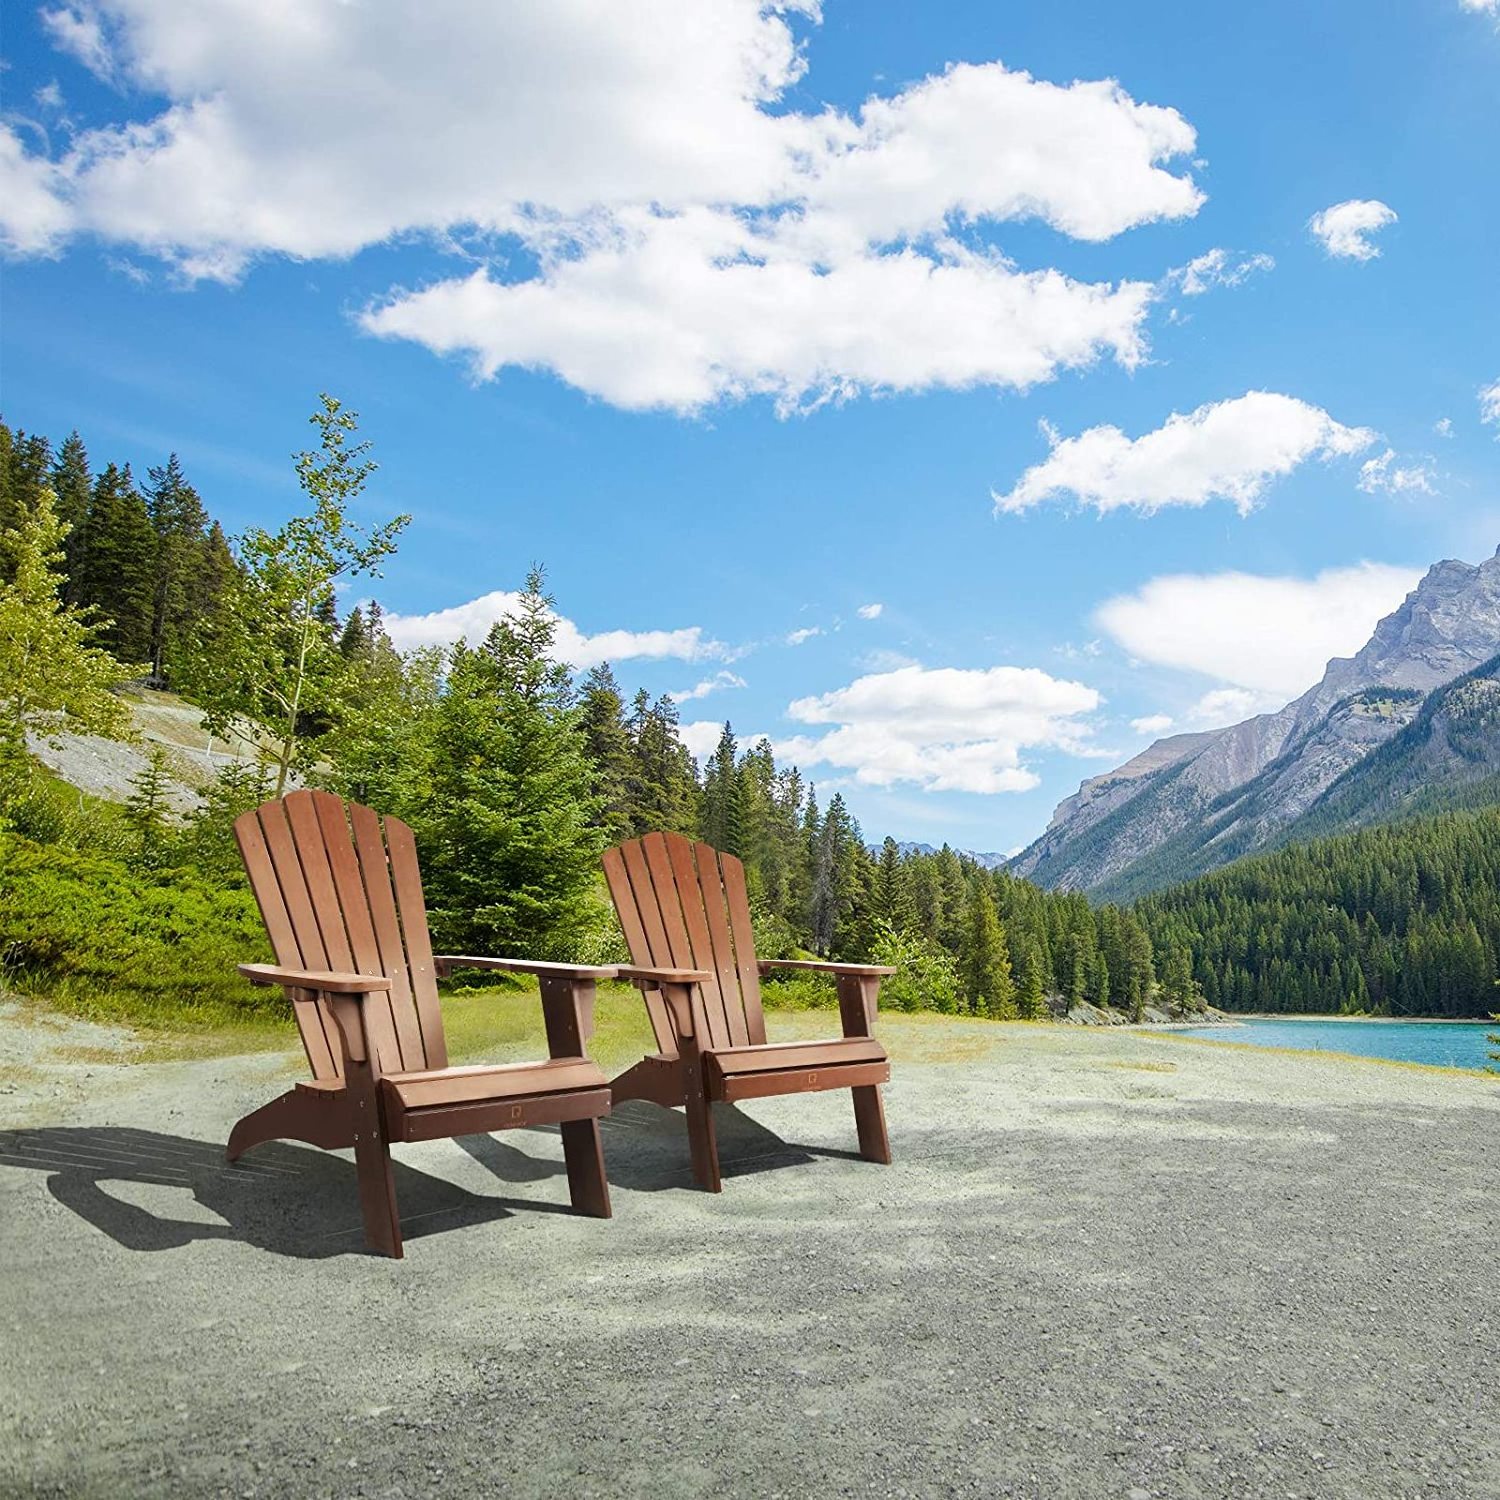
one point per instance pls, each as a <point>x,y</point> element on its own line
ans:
<point>1400,920</point>
<point>145,556</point>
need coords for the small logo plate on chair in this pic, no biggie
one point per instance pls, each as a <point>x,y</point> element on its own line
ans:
<point>812,1080</point>
<point>518,1111</point>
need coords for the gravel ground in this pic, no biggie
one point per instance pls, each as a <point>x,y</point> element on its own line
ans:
<point>1106,1263</point>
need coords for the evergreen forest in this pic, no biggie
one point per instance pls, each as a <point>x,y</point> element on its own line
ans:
<point>516,771</point>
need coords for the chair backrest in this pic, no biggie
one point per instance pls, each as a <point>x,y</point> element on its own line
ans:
<point>339,889</point>
<point>684,906</point>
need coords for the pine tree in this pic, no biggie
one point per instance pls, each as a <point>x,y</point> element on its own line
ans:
<point>722,814</point>
<point>146,807</point>
<point>832,883</point>
<point>892,895</point>
<point>985,960</point>
<point>662,787</point>
<point>181,525</point>
<point>73,485</point>
<point>117,570</point>
<point>1031,997</point>
<point>607,740</point>
<point>27,462</point>
<point>509,837</point>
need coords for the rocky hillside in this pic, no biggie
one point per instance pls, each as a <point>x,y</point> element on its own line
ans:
<point>1193,802</point>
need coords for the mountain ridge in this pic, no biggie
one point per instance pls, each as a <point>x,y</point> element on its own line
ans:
<point>1205,798</point>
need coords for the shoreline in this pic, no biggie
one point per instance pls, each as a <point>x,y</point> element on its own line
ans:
<point>1356,1020</point>
<point>1329,1053</point>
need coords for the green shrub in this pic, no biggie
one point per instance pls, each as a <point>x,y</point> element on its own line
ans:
<point>786,989</point>
<point>926,977</point>
<point>111,942</point>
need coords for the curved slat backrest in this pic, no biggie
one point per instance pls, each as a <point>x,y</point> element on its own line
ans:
<point>684,905</point>
<point>339,888</point>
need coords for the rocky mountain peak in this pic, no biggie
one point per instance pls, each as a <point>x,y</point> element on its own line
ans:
<point>1448,625</point>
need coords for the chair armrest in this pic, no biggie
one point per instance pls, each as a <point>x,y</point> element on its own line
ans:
<point>650,978</point>
<point>862,971</point>
<point>323,980</point>
<point>446,962</point>
<point>679,992</point>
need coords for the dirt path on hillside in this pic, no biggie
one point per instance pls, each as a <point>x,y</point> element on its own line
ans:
<point>1106,1263</point>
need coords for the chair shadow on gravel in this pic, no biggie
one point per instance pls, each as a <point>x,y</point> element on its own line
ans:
<point>289,1199</point>
<point>646,1149</point>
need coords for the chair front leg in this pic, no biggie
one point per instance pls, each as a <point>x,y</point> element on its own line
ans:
<point>687,1017</point>
<point>372,1151</point>
<point>859,998</point>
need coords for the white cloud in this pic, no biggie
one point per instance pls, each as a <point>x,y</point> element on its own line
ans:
<point>1489,404</point>
<point>717,683</point>
<point>1152,724</point>
<point>943,729</point>
<point>1224,706</point>
<point>1483,7</point>
<point>1215,268</point>
<point>78,30</point>
<point>32,219</point>
<point>1345,229</point>
<point>688,237</point>
<point>1225,450</point>
<point>870,611</point>
<point>1382,475</point>
<point>701,737</point>
<point>1265,635</point>
<point>798,637</point>
<point>472,622</point>
<point>678,312</point>
<point>1444,425</point>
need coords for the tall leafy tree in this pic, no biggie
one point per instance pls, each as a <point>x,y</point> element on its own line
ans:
<point>268,666</point>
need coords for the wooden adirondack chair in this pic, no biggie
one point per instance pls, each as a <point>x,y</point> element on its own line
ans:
<point>341,897</point>
<point>686,918</point>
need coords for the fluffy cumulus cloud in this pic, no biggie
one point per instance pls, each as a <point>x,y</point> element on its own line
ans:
<point>943,729</point>
<point>1264,639</point>
<point>472,622</point>
<point>1489,404</point>
<point>701,736</point>
<point>687,237</point>
<point>1225,450</point>
<point>1344,230</point>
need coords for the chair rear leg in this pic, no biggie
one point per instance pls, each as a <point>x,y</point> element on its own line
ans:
<point>377,1193</point>
<point>702,1141</point>
<point>869,1120</point>
<point>583,1150</point>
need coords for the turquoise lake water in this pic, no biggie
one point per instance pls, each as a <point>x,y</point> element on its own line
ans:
<point>1443,1044</point>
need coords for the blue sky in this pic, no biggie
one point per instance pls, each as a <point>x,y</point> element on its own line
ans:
<point>744,320</point>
